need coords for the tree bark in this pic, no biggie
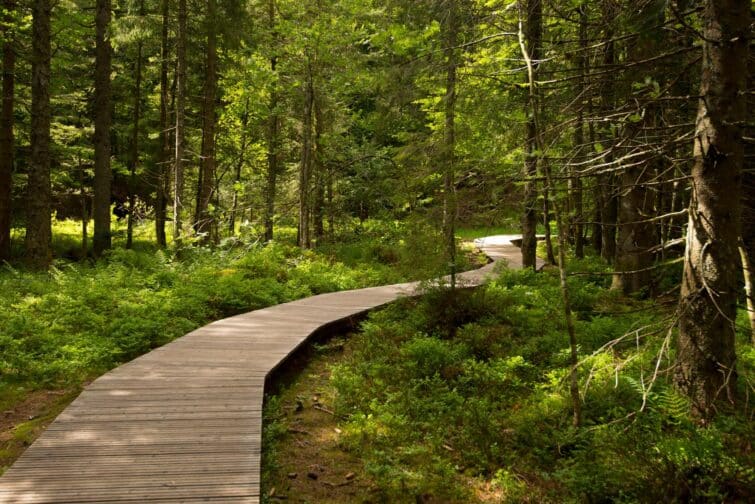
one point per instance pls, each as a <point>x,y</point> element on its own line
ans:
<point>579,136</point>
<point>38,195</point>
<point>239,167</point>
<point>134,161</point>
<point>6,128</point>
<point>204,222</point>
<point>636,236</point>
<point>305,170</point>
<point>449,137</point>
<point>161,179</point>
<point>318,210</point>
<point>273,132</point>
<point>178,175</point>
<point>560,225</point>
<point>550,256</point>
<point>748,197</point>
<point>705,362</point>
<point>607,183</point>
<point>102,119</point>
<point>533,40</point>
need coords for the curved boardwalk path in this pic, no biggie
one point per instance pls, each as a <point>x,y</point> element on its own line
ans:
<point>183,423</point>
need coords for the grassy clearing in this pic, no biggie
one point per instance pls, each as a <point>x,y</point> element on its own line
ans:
<point>463,399</point>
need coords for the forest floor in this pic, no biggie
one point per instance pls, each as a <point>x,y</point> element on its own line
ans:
<point>460,399</point>
<point>62,328</point>
<point>311,466</point>
<point>310,463</point>
<point>22,421</point>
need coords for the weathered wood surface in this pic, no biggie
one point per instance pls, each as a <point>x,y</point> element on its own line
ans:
<point>183,423</point>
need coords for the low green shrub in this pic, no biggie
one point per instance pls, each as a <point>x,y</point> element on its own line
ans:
<point>474,384</point>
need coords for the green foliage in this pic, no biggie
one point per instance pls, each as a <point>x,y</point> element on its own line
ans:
<point>491,402</point>
<point>81,319</point>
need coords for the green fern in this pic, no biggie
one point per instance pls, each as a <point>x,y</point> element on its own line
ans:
<point>672,405</point>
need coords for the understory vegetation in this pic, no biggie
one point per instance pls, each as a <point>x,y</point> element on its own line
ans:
<point>72,323</point>
<point>464,397</point>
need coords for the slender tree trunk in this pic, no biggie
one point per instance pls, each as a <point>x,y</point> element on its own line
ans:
<point>305,172</point>
<point>748,195</point>
<point>449,138</point>
<point>318,210</point>
<point>562,243</point>
<point>102,119</point>
<point>273,133</point>
<point>161,180</point>
<point>180,111</point>
<point>705,362</point>
<point>239,167</point>
<point>636,236</point>
<point>547,225</point>
<point>607,182</point>
<point>331,208</point>
<point>134,161</point>
<point>6,128</point>
<point>579,136</point>
<point>38,195</point>
<point>533,38</point>
<point>204,220</point>
<point>597,195</point>
<point>84,208</point>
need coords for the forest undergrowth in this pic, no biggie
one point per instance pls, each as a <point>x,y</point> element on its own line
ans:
<point>464,398</point>
<point>61,328</point>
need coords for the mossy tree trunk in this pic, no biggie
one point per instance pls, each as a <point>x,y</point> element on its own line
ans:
<point>706,357</point>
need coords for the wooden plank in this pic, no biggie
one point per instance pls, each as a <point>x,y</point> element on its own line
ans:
<point>183,423</point>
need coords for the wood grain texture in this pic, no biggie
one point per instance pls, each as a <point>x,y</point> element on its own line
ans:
<point>183,423</point>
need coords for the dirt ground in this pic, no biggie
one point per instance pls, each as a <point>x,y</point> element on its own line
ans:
<point>23,421</point>
<point>310,465</point>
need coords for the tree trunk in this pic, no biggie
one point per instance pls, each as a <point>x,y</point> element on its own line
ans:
<point>705,362</point>
<point>178,175</point>
<point>102,120</point>
<point>134,161</point>
<point>38,228</point>
<point>239,167</point>
<point>161,180</point>
<point>560,225</point>
<point>533,39</point>
<point>748,195</point>
<point>636,236</point>
<point>84,208</point>
<point>607,182</point>
<point>547,225</point>
<point>318,210</point>
<point>273,133</point>
<point>449,138</point>
<point>204,221</point>
<point>6,128</point>
<point>305,171</point>
<point>331,207</point>
<point>579,136</point>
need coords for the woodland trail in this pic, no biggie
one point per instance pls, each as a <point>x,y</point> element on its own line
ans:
<point>183,423</point>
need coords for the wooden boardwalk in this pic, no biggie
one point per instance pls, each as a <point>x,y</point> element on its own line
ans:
<point>183,423</point>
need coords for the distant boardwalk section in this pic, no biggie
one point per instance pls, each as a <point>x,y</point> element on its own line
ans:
<point>183,423</point>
